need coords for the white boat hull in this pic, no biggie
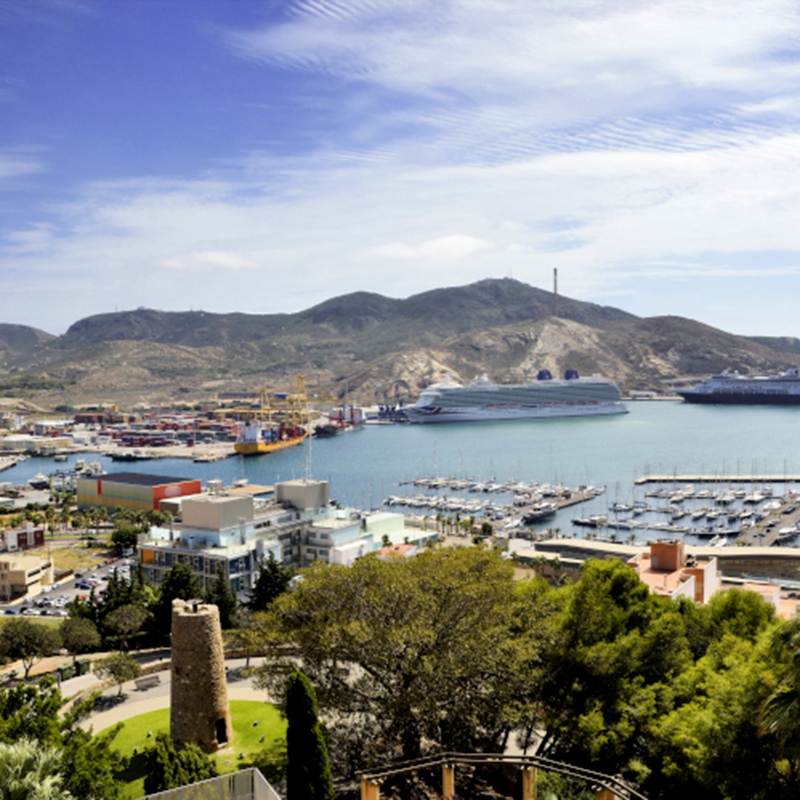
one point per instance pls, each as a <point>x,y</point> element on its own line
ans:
<point>437,414</point>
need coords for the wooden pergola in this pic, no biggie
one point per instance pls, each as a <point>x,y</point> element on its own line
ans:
<point>607,787</point>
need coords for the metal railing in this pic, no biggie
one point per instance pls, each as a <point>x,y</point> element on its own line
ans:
<point>612,783</point>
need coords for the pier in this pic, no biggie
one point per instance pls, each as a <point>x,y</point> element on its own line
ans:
<point>717,479</point>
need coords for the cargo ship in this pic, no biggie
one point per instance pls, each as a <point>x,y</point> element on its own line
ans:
<point>256,439</point>
<point>731,388</point>
<point>543,398</point>
<point>274,421</point>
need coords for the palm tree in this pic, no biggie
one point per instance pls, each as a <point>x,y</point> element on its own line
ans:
<point>29,771</point>
<point>780,714</point>
<point>50,516</point>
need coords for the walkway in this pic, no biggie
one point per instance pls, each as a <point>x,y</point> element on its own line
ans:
<point>137,701</point>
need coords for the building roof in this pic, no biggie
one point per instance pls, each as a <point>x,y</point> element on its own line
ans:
<point>141,479</point>
<point>397,550</point>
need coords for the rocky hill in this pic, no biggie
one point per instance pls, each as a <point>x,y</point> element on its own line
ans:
<point>369,346</point>
<point>20,343</point>
<point>639,354</point>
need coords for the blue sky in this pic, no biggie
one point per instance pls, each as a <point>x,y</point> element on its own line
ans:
<point>263,156</point>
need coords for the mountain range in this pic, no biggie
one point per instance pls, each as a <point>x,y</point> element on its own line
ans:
<point>368,347</point>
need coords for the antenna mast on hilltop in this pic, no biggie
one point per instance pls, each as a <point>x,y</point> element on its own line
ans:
<point>555,292</point>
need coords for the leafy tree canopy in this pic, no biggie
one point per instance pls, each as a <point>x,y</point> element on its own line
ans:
<point>179,583</point>
<point>272,581</point>
<point>79,635</point>
<point>88,763</point>
<point>119,666</point>
<point>220,595</point>
<point>413,650</point>
<point>27,641</point>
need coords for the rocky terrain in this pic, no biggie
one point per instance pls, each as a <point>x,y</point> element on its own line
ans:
<point>369,347</point>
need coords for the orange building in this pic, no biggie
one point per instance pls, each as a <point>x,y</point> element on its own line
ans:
<point>669,572</point>
<point>133,490</point>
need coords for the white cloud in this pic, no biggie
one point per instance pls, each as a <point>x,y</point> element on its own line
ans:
<point>620,142</point>
<point>445,248</point>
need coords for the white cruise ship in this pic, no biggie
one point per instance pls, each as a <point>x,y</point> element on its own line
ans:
<point>546,397</point>
<point>731,388</point>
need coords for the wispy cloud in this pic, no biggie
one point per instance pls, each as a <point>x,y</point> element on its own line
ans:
<point>16,163</point>
<point>626,143</point>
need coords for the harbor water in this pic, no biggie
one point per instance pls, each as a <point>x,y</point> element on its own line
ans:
<point>364,467</point>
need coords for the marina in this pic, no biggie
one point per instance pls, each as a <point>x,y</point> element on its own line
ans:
<point>720,479</point>
<point>644,461</point>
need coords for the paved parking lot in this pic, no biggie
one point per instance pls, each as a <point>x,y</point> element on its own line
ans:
<point>53,601</point>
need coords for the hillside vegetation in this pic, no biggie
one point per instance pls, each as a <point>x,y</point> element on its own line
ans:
<point>369,346</point>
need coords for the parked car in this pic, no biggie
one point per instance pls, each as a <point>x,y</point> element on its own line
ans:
<point>83,585</point>
<point>11,611</point>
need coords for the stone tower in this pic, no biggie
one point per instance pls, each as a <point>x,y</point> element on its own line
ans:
<point>199,710</point>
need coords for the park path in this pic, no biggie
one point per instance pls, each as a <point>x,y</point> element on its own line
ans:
<point>138,701</point>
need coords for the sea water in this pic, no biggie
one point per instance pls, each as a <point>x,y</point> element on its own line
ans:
<point>655,437</point>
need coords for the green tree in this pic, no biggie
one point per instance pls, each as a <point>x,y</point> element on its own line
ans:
<point>308,774</point>
<point>179,583</point>
<point>29,771</point>
<point>27,641</point>
<point>272,581</point>
<point>119,666</point>
<point>126,620</point>
<point>743,613</point>
<point>169,768</point>
<point>124,536</point>
<point>248,637</point>
<point>79,636</point>
<point>605,676</point>
<point>779,716</point>
<point>708,745</point>
<point>88,762</point>
<point>405,651</point>
<point>220,595</point>
<point>50,517</point>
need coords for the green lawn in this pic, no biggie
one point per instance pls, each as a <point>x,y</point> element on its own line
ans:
<point>246,738</point>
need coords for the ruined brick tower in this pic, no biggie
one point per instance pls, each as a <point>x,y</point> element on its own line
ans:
<point>199,710</point>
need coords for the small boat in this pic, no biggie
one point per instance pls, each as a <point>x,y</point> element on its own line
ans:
<point>39,481</point>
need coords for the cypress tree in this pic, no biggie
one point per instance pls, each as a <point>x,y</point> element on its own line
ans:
<point>220,594</point>
<point>308,776</point>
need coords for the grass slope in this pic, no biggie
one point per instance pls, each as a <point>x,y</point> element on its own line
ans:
<point>246,739</point>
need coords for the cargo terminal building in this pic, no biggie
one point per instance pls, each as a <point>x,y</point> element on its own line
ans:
<point>130,490</point>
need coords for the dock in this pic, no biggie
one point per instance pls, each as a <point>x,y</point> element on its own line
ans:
<point>717,479</point>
